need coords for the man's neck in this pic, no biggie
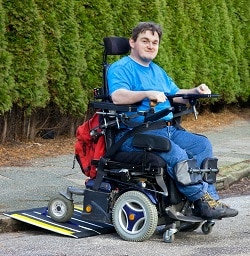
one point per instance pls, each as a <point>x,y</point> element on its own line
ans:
<point>144,64</point>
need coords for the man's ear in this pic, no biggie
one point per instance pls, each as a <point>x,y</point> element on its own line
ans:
<point>131,43</point>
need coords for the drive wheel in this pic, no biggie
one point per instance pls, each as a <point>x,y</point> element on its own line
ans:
<point>134,216</point>
<point>60,208</point>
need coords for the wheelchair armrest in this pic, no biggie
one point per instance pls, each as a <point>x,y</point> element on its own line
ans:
<point>151,142</point>
<point>179,107</point>
<point>112,106</point>
<point>180,110</point>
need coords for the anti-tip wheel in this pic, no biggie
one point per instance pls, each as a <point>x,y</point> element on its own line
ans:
<point>60,208</point>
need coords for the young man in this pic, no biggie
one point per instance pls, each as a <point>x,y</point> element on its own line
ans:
<point>137,79</point>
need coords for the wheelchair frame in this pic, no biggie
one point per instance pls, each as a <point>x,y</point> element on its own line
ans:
<point>135,195</point>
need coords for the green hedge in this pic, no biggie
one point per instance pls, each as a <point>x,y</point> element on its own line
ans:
<point>51,53</point>
<point>26,44</point>
<point>6,79</point>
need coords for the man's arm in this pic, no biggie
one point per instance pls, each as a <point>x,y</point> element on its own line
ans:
<point>123,96</point>
<point>201,89</point>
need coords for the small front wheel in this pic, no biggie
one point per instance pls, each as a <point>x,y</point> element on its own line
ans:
<point>168,237</point>
<point>207,227</point>
<point>60,208</point>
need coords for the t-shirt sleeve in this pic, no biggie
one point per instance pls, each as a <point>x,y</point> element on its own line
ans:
<point>171,87</point>
<point>117,79</point>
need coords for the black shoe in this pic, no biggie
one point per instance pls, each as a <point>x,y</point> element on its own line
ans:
<point>208,208</point>
<point>229,212</point>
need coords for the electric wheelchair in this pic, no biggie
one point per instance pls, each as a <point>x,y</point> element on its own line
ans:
<point>132,190</point>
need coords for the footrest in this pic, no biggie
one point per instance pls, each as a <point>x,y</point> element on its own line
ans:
<point>172,213</point>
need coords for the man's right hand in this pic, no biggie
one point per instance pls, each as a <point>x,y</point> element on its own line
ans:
<point>156,96</point>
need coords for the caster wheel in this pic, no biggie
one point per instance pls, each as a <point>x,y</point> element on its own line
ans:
<point>167,237</point>
<point>60,208</point>
<point>207,227</point>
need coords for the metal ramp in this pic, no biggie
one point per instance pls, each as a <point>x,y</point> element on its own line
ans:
<point>77,227</point>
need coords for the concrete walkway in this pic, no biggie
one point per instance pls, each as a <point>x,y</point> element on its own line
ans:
<point>232,148</point>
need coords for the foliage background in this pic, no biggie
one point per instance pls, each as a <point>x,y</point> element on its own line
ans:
<point>51,54</point>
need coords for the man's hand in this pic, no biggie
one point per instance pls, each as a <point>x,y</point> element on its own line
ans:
<point>156,96</point>
<point>203,89</point>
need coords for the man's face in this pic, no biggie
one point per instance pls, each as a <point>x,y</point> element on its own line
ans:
<point>145,48</point>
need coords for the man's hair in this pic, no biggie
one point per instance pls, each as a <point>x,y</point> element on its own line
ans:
<point>143,27</point>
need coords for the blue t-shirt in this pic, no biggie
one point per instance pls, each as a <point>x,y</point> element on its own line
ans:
<point>130,75</point>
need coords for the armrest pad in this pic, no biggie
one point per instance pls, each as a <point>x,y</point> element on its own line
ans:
<point>112,106</point>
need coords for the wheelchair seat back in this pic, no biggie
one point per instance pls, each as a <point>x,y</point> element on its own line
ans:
<point>112,46</point>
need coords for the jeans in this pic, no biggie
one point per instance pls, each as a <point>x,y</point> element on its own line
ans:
<point>185,145</point>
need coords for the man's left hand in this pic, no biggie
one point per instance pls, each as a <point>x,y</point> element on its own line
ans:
<point>203,89</point>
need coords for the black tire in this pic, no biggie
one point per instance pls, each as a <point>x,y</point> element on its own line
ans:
<point>206,228</point>
<point>60,208</point>
<point>134,216</point>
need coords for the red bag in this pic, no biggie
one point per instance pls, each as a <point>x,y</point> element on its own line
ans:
<point>90,145</point>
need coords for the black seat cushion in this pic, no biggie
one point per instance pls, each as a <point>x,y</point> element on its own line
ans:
<point>136,157</point>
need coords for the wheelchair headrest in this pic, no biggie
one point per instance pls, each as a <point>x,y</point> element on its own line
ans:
<point>116,45</point>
